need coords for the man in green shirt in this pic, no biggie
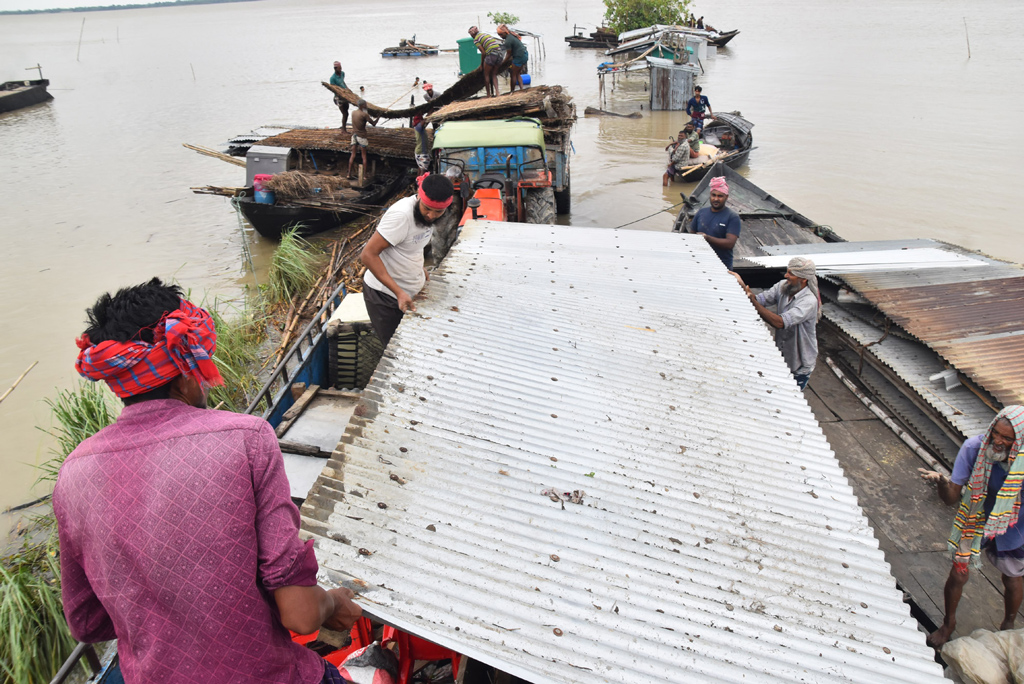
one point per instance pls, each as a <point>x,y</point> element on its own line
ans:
<point>338,79</point>
<point>520,56</point>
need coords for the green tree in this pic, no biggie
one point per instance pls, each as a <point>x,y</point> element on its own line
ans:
<point>506,18</point>
<point>626,15</point>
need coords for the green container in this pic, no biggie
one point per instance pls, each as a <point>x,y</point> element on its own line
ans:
<point>469,56</point>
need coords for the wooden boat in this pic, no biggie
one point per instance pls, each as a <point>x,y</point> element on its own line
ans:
<point>409,48</point>
<point>18,94</point>
<point>312,216</point>
<point>727,138</point>
<point>602,38</point>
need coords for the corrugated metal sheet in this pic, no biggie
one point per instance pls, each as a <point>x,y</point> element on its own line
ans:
<point>915,364</point>
<point>671,84</point>
<point>973,317</point>
<point>717,540</point>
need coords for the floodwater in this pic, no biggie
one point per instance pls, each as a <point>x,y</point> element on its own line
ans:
<point>869,118</point>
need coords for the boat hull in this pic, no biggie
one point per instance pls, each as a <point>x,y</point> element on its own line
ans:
<point>403,52</point>
<point>272,220</point>
<point>16,95</point>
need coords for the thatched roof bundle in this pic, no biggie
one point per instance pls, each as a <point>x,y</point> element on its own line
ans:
<point>398,143</point>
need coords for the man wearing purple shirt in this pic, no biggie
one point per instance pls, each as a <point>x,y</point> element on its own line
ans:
<point>178,536</point>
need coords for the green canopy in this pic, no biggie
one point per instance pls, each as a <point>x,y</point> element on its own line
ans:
<point>522,132</point>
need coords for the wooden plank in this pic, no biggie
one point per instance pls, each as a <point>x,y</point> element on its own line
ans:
<point>303,449</point>
<point>835,395</point>
<point>883,474</point>
<point>981,606</point>
<point>297,408</point>
<point>341,394</point>
<point>995,578</point>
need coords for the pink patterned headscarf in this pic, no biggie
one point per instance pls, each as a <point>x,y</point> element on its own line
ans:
<point>718,184</point>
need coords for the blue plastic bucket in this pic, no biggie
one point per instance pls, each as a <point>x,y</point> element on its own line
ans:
<point>526,79</point>
<point>264,197</point>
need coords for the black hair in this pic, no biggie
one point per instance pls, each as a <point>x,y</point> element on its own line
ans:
<point>132,312</point>
<point>438,187</point>
<point>698,89</point>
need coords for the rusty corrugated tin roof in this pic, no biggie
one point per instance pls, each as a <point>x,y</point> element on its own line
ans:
<point>399,143</point>
<point>973,317</point>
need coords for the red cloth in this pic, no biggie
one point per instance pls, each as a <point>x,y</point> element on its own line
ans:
<point>430,204</point>
<point>176,526</point>
<point>184,342</point>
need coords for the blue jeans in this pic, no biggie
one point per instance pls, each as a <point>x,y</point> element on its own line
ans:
<point>801,380</point>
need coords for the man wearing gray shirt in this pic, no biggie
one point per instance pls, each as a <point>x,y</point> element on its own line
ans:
<point>793,307</point>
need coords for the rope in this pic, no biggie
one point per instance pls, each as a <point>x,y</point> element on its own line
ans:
<point>651,215</point>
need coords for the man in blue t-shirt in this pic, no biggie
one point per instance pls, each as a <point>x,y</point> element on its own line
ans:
<point>338,79</point>
<point>695,107</point>
<point>986,483</point>
<point>718,224</point>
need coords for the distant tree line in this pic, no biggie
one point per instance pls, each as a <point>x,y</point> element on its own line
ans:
<point>100,8</point>
<point>626,15</point>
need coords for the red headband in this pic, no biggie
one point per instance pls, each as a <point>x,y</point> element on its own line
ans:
<point>427,202</point>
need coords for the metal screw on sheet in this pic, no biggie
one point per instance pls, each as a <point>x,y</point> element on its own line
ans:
<point>777,628</point>
<point>886,650</point>
<point>381,504</point>
<point>555,558</point>
<point>403,449</point>
<point>846,565</point>
<point>431,528</point>
<point>365,552</point>
<point>863,605</point>
<point>557,631</point>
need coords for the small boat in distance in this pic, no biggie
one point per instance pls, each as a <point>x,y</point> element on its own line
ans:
<point>603,37</point>
<point>409,48</point>
<point>18,94</point>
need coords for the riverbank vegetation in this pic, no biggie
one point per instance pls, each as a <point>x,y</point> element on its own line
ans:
<point>101,8</point>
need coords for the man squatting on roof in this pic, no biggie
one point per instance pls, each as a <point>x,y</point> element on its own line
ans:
<point>986,482</point>
<point>393,256</point>
<point>793,307</point>
<point>178,536</point>
<point>491,53</point>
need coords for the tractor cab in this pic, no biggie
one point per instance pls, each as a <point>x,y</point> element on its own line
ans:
<point>503,168</point>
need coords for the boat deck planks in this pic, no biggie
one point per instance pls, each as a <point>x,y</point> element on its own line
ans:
<point>910,522</point>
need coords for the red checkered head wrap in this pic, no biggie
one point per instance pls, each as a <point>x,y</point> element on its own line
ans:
<point>184,341</point>
<point>427,202</point>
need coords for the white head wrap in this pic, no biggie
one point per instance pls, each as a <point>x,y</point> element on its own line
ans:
<point>802,267</point>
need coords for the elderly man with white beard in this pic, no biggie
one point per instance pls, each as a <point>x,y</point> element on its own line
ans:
<point>986,482</point>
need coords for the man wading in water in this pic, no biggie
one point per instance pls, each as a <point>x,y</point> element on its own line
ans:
<point>178,536</point>
<point>986,482</point>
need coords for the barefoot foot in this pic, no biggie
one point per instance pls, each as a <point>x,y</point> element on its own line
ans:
<point>939,637</point>
<point>1007,624</point>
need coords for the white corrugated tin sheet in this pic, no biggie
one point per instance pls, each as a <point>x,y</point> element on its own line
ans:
<point>877,260</point>
<point>717,539</point>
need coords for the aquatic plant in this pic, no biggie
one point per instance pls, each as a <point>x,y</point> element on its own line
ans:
<point>626,15</point>
<point>239,338</point>
<point>503,18</point>
<point>293,268</point>
<point>36,640</point>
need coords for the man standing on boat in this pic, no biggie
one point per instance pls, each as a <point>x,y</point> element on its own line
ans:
<point>986,483</point>
<point>359,140</point>
<point>793,307</point>
<point>491,54</point>
<point>718,224</point>
<point>338,79</point>
<point>695,107</point>
<point>178,536</point>
<point>513,45</point>
<point>393,256</point>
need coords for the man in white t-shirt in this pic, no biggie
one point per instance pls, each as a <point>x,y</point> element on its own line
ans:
<point>394,255</point>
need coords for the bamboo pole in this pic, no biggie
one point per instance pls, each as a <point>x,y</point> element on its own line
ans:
<point>80,34</point>
<point>206,151</point>
<point>968,36</point>
<point>20,378</point>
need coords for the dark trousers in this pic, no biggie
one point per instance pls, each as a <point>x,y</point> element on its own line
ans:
<point>384,313</point>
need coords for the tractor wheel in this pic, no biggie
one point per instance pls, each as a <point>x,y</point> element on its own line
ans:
<point>563,199</point>
<point>540,206</point>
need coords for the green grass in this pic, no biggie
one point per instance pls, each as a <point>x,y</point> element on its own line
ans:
<point>294,268</point>
<point>239,341</point>
<point>34,638</point>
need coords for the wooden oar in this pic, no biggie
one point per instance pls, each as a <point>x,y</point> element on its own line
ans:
<point>20,378</point>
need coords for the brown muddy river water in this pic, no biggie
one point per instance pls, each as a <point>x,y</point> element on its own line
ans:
<point>869,118</point>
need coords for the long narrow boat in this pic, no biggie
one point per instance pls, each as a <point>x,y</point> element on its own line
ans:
<point>19,94</point>
<point>726,139</point>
